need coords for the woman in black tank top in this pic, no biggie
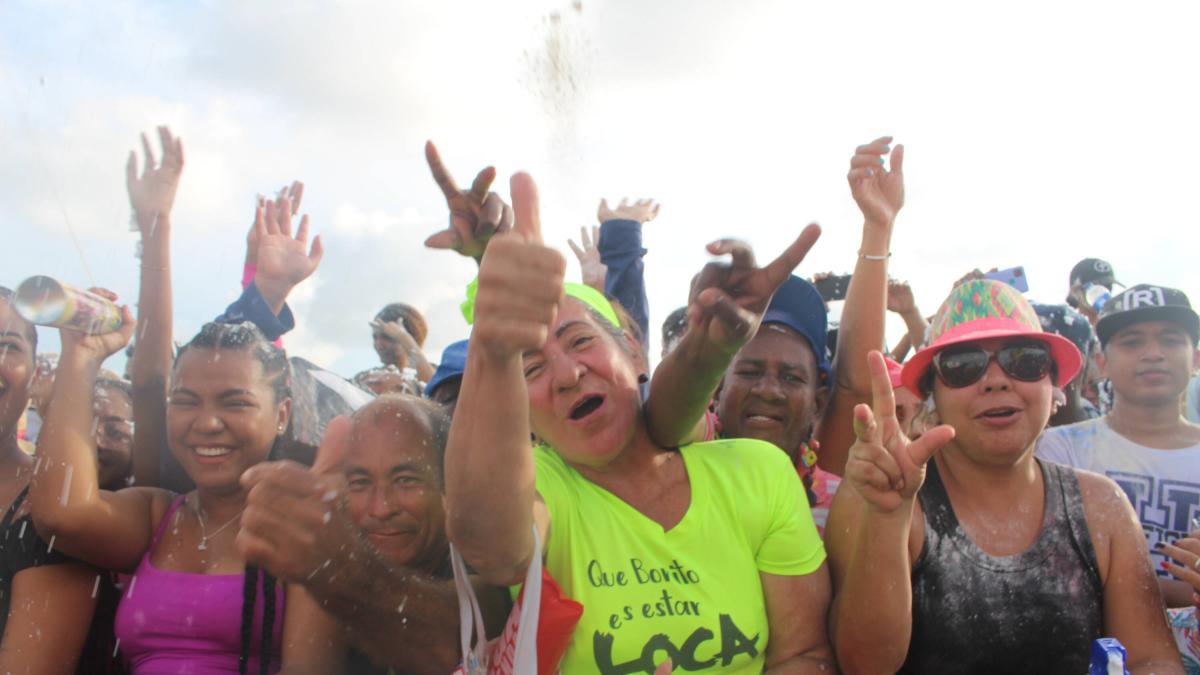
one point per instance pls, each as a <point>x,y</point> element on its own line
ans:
<point>984,560</point>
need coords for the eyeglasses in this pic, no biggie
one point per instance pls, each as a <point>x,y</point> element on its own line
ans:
<point>962,366</point>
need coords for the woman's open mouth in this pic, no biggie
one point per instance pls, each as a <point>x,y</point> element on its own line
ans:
<point>585,407</point>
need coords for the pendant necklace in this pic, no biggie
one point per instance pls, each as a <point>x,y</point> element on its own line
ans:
<point>204,535</point>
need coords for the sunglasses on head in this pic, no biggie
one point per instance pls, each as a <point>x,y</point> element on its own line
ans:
<point>963,365</point>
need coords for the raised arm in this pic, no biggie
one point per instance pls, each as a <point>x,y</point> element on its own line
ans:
<point>869,536</point>
<point>725,307</point>
<point>879,194</point>
<point>900,300</point>
<point>152,195</point>
<point>107,529</point>
<point>621,253</point>
<point>490,491</point>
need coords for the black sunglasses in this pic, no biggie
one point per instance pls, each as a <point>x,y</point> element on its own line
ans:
<point>962,366</point>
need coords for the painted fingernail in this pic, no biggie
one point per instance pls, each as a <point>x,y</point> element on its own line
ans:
<point>881,161</point>
<point>870,172</point>
<point>1165,565</point>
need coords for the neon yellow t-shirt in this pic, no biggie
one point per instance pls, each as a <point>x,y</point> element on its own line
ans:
<point>692,593</point>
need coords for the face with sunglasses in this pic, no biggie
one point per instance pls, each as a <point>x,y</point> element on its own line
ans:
<point>996,393</point>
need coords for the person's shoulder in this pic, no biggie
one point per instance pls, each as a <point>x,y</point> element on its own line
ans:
<point>1078,430</point>
<point>1104,503</point>
<point>1061,443</point>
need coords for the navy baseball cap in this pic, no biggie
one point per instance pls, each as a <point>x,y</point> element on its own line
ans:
<point>454,362</point>
<point>1066,322</point>
<point>1146,302</point>
<point>799,306</point>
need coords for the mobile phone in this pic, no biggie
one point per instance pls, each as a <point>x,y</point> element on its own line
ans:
<point>833,288</point>
<point>1013,276</point>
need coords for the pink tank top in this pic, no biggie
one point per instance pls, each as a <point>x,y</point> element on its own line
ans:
<point>178,622</point>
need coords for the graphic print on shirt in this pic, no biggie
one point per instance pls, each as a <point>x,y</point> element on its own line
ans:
<point>662,591</point>
<point>1164,507</point>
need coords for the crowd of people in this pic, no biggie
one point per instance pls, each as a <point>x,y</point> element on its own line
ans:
<point>1004,486</point>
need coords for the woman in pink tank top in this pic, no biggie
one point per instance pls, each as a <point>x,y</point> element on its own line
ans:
<point>191,604</point>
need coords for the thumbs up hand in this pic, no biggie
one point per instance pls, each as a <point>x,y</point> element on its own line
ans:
<point>884,466</point>
<point>520,282</point>
<point>293,524</point>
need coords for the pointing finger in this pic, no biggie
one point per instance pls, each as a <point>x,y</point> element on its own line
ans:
<point>883,399</point>
<point>782,267</point>
<point>525,206</point>
<point>898,160</point>
<point>440,174</point>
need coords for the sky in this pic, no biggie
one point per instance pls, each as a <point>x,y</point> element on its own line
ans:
<point>1036,134</point>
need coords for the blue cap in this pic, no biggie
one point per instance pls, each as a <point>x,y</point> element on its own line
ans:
<point>799,306</point>
<point>454,362</point>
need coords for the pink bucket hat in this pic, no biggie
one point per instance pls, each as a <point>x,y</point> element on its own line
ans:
<point>981,309</point>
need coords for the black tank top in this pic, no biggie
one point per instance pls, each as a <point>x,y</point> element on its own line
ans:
<point>1034,612</point>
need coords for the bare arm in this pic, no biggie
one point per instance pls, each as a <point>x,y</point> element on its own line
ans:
<point>50,611</point>
<point>796,614</point>
<point>1133,606</point>
<point>152,196</point>
<point>312,641</point>
<point>870,535</point>
<point>871,569</point>
<point>880,195</point>
<point>489,466</point>
<point>725,307</point>
<point>107,529</point>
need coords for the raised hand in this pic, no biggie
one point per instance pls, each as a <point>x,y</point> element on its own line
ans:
<point>294,193</point>
<point>96,348</point>
<point>878,191</point>
<point>884,466</point>
<point>294,524</point>
<point>727,300</point>
<point>594,271</point>
<point>475,215</point>
<point>900,297</point>
<point>520,282</point>
<point>283,260</point>
<point>643,211</point>
<point>152,194</point>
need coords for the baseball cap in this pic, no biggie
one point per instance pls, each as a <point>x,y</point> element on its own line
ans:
<point>895,371</point>
<point>799,306</point>
<point>1146,302</point>
<point>1066,322</point>
<point>981,309</point>
<point>454,362</point>
<point>1090,271</point>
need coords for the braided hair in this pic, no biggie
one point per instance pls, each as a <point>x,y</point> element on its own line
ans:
<point>245,337</point>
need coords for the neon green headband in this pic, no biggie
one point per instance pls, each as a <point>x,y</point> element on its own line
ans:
<point>583,293</point>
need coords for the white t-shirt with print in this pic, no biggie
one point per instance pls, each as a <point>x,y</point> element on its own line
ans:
<point>1162,485</point>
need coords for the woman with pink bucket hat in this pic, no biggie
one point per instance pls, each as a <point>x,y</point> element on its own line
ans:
<point>959,551</point>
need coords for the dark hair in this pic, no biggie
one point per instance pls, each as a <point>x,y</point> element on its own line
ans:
<point>675,325</point>
<point>413,322</point>
<point>6,294</point>
<point>110,382</point>
<point>245,337</point>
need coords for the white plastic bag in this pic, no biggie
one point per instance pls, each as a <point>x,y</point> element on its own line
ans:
<point>515,652</point>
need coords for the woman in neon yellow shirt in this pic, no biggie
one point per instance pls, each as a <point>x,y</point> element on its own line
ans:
<point>705,555</point>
